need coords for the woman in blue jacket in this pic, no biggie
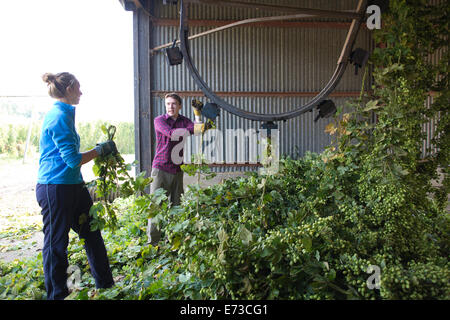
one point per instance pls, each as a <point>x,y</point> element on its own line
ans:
<point>61,192</point>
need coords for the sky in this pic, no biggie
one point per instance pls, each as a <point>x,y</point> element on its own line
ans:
<point>92,39</point>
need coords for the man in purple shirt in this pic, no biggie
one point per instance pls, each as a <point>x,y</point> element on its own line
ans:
<point>170,129</point>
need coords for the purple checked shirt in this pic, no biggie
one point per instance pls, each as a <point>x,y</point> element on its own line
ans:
<point>165,126</point>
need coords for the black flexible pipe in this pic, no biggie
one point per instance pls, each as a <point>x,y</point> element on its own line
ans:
<point>329,87</point>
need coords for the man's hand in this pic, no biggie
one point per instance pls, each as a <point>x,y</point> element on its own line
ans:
<point>199,128</point>
<point>106,148</point>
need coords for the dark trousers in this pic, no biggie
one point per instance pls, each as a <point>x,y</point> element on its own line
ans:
<point>173,184</point>
<point>62,205</point>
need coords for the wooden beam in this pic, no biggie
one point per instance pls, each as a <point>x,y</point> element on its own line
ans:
<point>281,24</point>
<point>185,94</point>
<point>279,8</point>
<point>351,35</point>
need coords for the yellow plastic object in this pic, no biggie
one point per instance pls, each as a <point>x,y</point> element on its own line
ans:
<point>197,112</point>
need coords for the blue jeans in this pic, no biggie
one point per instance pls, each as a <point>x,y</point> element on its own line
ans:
<point>62,205</point>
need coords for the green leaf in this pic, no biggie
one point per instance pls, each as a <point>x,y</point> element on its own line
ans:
<point>307,243</point>
<point>141,182</point>
<point>96,170</point>
<point>222,235</point>
<point>266,252</point>
<point>210,175</point>
<point>97,210</point>
<point>274,294</point>
<point>267,198</point>
<point>245,235</point>
<point>262,184</point>
<point>176,242</point>
<point>159,195</point>
<point>331,275</point>
<point>83,294</point>
<point>190,169</point>
<point>371,105</point>
<point>184,277</point>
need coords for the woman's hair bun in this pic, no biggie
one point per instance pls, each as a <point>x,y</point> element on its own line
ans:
<point>48,77</point>
<point>58,83</point>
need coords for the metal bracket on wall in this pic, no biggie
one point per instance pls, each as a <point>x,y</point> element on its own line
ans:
<point>357,19</point>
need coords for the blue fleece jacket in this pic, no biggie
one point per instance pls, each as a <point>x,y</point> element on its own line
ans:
<point>59,147</point>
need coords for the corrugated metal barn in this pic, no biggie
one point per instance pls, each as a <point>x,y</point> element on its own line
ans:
<point>266,67</point>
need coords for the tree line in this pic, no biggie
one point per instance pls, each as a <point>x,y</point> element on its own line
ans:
<point>13,137</point>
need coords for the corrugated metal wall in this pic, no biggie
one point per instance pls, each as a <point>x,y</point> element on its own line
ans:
<point>429,128</point>
<point>284,61</point>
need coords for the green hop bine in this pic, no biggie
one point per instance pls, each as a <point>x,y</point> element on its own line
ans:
<point>113,181</point>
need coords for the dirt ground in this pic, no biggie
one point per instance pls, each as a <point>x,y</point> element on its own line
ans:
<point>20,217</point>
<point>21,233</point>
